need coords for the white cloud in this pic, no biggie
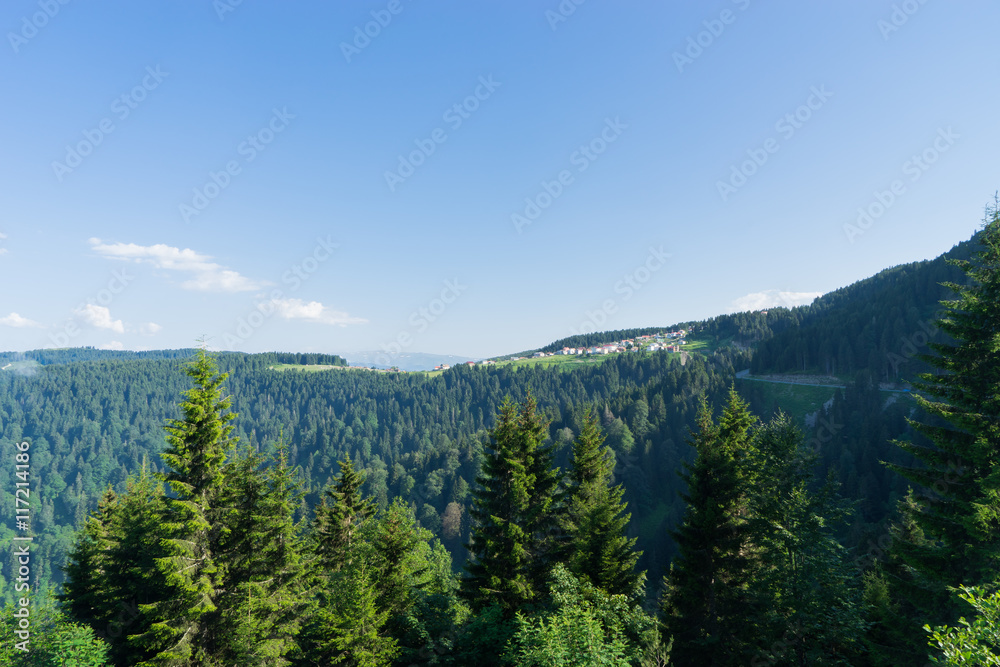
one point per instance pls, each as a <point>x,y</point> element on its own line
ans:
<point>3,251</point>
<point>149,328</point>
<point>15,320</point>
<point>113,345</point>
<point>100,317</point>
<point>772,298</point>
<point>313,311</point>
<point>208,276</point>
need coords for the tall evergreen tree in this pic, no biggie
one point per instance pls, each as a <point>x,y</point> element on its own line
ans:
<point>398,570</point>
<point>804,602</point>
<point>355,620</point>
<point>545,502</point>
<point>111,571</point>
<point>262,593</point>
<point>180,632</point>
<point>513,513</point>
<point>705,592</point>
<point>957,521</point>
<point>596,518</point>
<point>358,575</point>
<point>85,595</point>
<point>339,517</point>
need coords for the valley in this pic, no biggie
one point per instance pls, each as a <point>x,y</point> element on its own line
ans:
<point>95,418</point>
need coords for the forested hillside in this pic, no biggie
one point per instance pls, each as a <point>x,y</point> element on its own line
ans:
<point>743,329</point>
<point>69,355</point>
<point>94,422</point>
<point>828,569</point>
<point>96,415</point>
<point>879,324</point>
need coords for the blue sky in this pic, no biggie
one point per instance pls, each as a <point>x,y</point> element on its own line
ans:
<point>472,178</point>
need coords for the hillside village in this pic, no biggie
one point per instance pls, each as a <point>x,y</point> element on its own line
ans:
<point>667,341</point>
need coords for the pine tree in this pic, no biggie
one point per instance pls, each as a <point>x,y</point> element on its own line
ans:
<point>339,516</point>
<point>501,547</point>
<point>180,632</point>
<point>804,602</point>
<point>345,624</point>
<point>360,577</point>
<point>356,621</point>
<point>514,513</point>
<point>596,519</point>
<point>398,573</point>
<point>893,595</point>
<point>85,594</point>
<point>112,573</point>
<point>958,518</point>
<point>705,592</point>
<point>262,592</point>
<point>545,502</point>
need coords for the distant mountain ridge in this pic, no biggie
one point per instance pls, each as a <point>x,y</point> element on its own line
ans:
<point>880,323</point>
<point>74,354</point>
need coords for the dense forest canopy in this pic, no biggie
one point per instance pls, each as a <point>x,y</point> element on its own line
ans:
<point>874,325</point>
<point>364,472</point>
<point>94,422</point>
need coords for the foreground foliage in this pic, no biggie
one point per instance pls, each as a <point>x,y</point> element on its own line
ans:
<point>55,640</point>
<point>975,642</point>
<point>583,626</point>
<point>947,539</point>
<point>760,578</point>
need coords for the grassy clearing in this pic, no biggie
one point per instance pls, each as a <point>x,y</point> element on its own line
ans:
<point>312,368</point>
<point>563,362</point>
<point>704,345</point>
<point>797,400</point>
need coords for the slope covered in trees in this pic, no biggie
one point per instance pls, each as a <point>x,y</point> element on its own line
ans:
<point>92,423</point>
<point>745,329</point>
<point>879,324</point>
<point>314,541</point>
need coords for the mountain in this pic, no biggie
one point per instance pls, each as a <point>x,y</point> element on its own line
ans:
<point>880,324</point>
<point>92,423</point>
<point>94,416</point>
